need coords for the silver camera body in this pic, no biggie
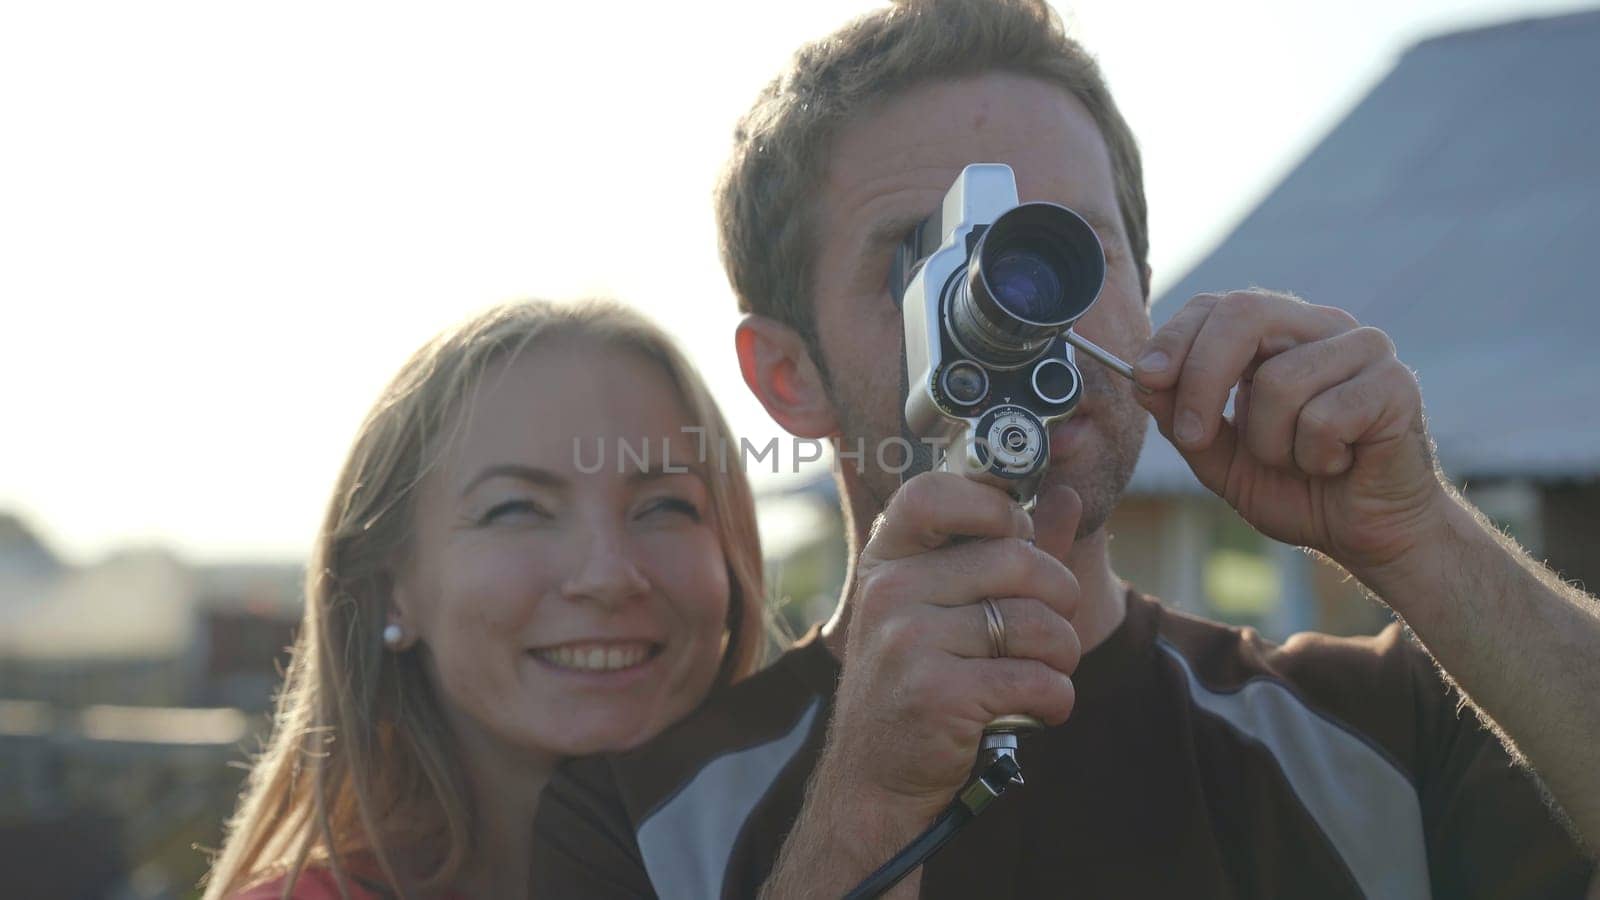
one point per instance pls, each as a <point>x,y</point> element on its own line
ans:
<point>988,289</point>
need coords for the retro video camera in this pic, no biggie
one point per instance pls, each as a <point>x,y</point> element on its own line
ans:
<point>989,290</point>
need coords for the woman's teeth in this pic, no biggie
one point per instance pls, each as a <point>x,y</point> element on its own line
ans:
<point>595,657</point>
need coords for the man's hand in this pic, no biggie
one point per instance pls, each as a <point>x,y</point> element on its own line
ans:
<point>1326,447</point>
<point>919,682</point>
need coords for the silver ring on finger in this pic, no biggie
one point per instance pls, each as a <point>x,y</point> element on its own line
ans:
<point>997,628</point>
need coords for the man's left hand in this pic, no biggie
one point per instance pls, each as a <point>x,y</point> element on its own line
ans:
<point>1326,447</point>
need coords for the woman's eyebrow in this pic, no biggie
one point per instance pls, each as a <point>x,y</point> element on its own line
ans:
<point>529,474</point>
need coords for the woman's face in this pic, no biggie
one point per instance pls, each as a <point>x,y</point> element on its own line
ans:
<point>565,610</point>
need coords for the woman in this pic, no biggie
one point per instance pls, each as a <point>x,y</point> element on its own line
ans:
<point>485,600</point>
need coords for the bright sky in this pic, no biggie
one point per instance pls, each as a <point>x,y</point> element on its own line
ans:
<point>223,225</point>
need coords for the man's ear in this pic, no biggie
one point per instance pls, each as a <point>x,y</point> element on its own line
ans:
<point>1148,297</point>
<point>779,370</point>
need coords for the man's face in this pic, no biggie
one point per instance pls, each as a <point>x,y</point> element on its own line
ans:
<point>890,168</point>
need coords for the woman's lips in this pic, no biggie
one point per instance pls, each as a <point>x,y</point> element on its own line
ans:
<point>597,656</point>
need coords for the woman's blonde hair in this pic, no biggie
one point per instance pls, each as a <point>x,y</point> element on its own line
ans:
<point>360,759</point>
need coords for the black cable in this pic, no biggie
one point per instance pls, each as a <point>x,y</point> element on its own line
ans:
<point>979,793</point>
<point>915,853</point>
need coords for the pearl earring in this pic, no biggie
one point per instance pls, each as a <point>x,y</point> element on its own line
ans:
<point>392,635</point>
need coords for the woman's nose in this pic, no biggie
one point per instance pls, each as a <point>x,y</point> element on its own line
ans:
<point>606,573</point>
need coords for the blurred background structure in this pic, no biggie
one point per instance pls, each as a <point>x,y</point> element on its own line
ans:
<point>1455,209</point>
<point>129,692</point>
<point>1454,206</point>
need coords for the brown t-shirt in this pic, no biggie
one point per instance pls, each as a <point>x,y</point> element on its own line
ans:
<point>1200,761</point>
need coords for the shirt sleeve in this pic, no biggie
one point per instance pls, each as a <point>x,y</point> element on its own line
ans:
<point>583,838</point>
<point>1490,831</point>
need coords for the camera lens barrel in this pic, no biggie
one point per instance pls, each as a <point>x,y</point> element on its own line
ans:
<point>1034,271</point>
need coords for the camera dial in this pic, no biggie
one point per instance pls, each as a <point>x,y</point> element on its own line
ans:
<point>1010,442</point>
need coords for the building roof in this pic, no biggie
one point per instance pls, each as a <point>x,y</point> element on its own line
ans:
<point>1457,208</point>
<point>23,554</point>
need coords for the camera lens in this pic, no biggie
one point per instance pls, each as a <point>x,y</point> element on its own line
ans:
<point>1035,270</point>
<point>1039,263</point>
<point>965,382</point>
<point>1025,284</point>
<point>1055,381</point>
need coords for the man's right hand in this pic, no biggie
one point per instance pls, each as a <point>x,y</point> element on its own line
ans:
<point>919,679</point>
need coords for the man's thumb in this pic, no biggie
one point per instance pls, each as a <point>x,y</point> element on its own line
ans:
<point>1055,520</point>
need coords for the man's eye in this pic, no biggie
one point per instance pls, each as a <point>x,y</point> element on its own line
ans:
<point>513,510</point>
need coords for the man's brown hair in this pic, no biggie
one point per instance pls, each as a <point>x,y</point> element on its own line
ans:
<point>766,198</point>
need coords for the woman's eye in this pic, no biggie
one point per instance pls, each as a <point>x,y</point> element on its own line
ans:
<point>672,506</point>
<point>513,510</point>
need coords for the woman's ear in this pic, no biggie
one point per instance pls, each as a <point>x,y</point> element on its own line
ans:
<point>778,368</point>
<point>399,618</point>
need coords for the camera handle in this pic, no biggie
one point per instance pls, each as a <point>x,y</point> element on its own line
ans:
<point>997,765</point>
<point>1000,739</point>
<point>997,769</point>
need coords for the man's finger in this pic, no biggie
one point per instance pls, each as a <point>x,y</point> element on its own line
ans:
<point>1210,465</point>
<point>1378,404</point>
<point>933,508</point>
<point>1242,326</point>
<point>1156,367</point>
<point>963,574</point>
<point>1284,384</point>
<point>1020,686</point>
<point>1031,630</point>
<point>1056,518</point>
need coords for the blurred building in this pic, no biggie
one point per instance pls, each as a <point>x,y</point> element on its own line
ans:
<point>802,539</point>
<point>127,689</point>
<point>1455,208</point>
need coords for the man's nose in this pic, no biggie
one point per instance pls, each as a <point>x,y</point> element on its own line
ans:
<point>606,572</point>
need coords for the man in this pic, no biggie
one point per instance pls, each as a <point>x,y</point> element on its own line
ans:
<point>1183,758</point>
